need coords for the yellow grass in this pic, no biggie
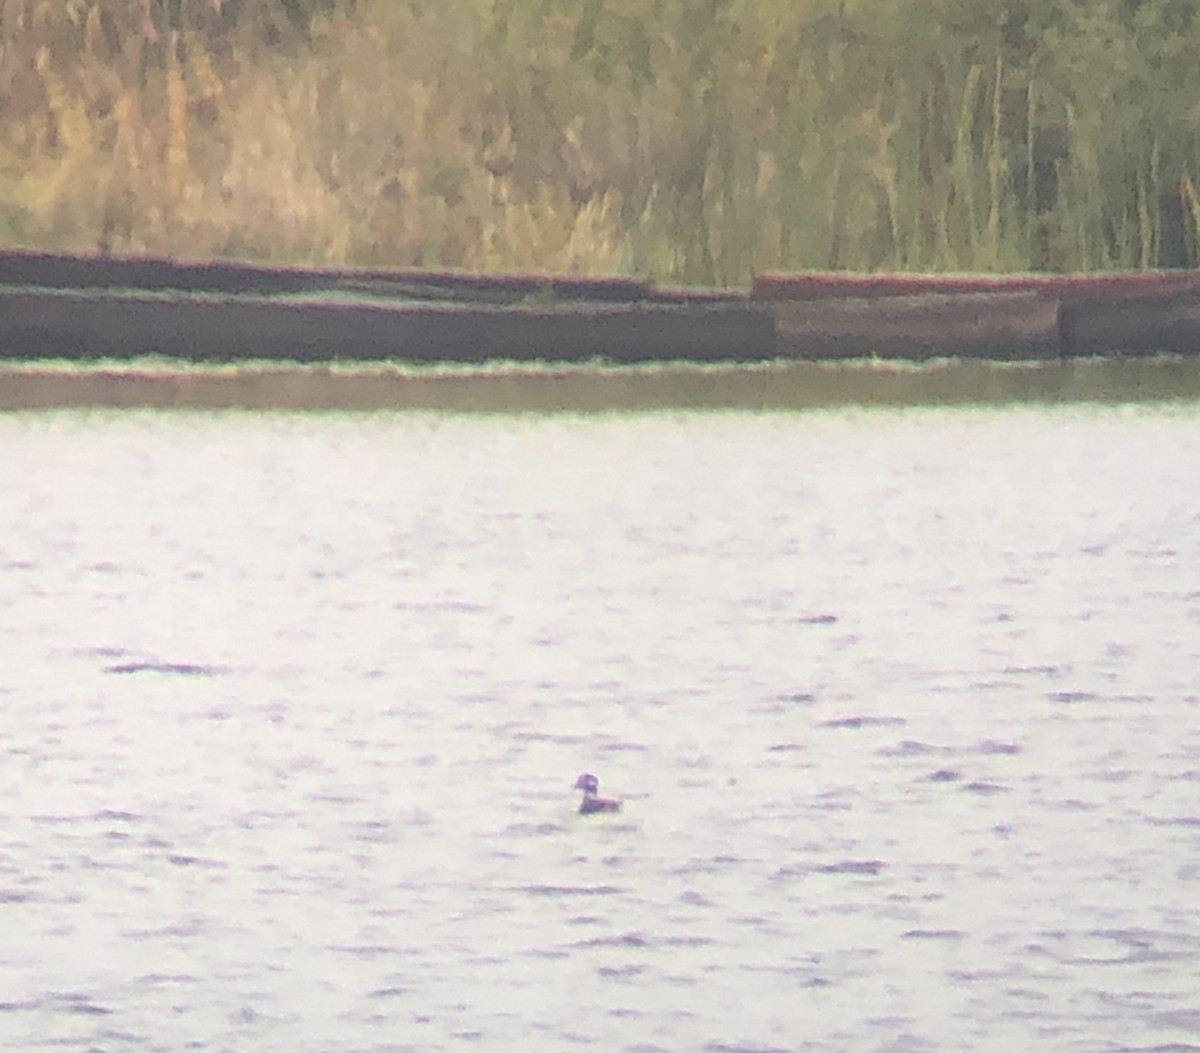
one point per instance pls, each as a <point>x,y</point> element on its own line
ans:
<point>687,140</point>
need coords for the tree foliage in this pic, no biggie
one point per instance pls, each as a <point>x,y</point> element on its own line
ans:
<point>687,140</point>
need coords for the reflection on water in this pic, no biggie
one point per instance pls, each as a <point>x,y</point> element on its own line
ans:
<point>508,387</point>
<point>903,706</point>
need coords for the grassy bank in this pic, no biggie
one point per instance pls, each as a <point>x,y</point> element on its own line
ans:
<point>698,141</point>
<point>512,388</point>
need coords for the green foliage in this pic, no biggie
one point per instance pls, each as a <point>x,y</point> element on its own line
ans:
<point>685,140</point>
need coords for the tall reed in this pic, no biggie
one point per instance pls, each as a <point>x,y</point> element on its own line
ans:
<point>686,140</point>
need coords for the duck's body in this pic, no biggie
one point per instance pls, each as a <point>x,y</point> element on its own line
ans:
<point>592,801</point>
<point>598,804</point>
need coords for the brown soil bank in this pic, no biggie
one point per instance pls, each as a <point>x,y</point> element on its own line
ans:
<point>1018,316</point>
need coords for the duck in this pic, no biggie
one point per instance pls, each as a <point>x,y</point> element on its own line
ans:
<point>592,802</point>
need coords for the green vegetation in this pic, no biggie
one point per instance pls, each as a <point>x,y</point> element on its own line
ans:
<point>684,140</point>
<point>509,387</point>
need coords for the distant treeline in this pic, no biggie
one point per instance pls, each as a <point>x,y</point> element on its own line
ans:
<point>685,140</point>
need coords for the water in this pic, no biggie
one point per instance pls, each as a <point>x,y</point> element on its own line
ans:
<point>904,707</point>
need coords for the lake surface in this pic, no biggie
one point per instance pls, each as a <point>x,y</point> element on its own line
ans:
<point>904,707</point>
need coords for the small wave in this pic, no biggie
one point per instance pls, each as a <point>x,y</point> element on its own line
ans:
<point>994,746</point>
<point>179,859</point>
<point>625,939</point>
<point>106,567</point>
<point>854,723</point>
<point>179,930</point>
<point>740,1047</point>
<point>547,736</point>
<point>331,797</point>
<point>934,934</point>
<point>531,830</point>
<point>910,748</point>
<point>1179,1019</point>
<point>984,789</point>
<point>816,619</point>
<point>1109,947</point>
<point>1069,804</point>
<point>551,953</point>
<point>374,832</point>
<point>170,668</point>
<point>1170,1047</point>
<point>161,979</point>
<point>990,685</point>
<point>100,651</point>
<point>1036,670</point>
<point>1072,697</point>
<point>621,971</point>
<point>570,890</point>
<point>861,867</point>
<point>388,992</point>
<point>706,865</point>
<point>687,941</point>
<point>115,815</point>
<point>944,775</point>
<point>870,867</point>
<point>440,606</point>
<point>71,1002</point>
<point>366,951</point>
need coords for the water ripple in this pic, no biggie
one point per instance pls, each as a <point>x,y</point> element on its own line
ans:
<point>171,668</point>
<point>857,722</point>
<point>571,890</point>
<point>286,757</point>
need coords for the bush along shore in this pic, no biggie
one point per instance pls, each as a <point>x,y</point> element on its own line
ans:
<point>92,307</point>
<point>685,141</point>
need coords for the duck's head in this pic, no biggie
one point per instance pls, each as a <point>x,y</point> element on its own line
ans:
<point>588,783</point>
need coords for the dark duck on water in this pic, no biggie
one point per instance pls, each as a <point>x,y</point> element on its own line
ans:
<point>592,802</point>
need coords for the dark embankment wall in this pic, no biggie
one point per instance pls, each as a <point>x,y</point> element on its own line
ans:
<point>80,307</point>
<point>1099,323</point>
<point>976,325</point>
<point>87,307</point>
<point>42,323</point>
<point>827,285</point>
<point>1004,317</point>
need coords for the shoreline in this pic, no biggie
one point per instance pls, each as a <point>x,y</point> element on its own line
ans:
<point>513,387</point>
<point>93,308</point>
